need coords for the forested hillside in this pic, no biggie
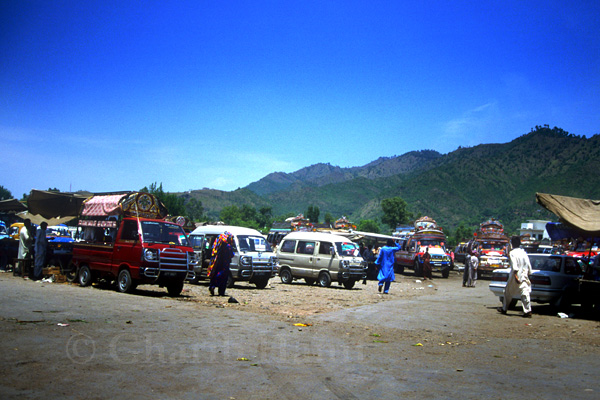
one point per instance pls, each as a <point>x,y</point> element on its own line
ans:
<point>466,185</point>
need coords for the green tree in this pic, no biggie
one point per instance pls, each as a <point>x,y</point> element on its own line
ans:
<point>462,233</point>
<point>395,212</point>
<point>313,214</point>
<point>194,209</point>
<point>248,213</point>
<point>368,225</point>
<point>5,194</point>
<point>175,204</point>
<point>328,218</point>
<point>265,217</point>
<point>230,215</point>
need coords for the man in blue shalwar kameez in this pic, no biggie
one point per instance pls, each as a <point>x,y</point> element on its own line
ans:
<point>385,260</point>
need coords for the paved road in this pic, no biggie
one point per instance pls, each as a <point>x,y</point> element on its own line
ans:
<point>450,343</point>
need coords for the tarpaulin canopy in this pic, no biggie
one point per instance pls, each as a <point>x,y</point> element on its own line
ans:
<point>12,205</point>
<point>50,205</point>
<point>38,219</point>
<point>582,214</point>
<point>99,206</point>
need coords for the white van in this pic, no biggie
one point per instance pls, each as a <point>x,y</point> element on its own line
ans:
<point>254,260</point>
<point>320,257</point>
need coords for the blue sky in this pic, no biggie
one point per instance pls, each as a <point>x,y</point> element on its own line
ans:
<point>115,95</point>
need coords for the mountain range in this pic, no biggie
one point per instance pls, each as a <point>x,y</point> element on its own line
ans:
<point>465,186</point>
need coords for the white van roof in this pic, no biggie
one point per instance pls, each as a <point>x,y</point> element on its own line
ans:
<point>316,236</point>
<point>218,229</point>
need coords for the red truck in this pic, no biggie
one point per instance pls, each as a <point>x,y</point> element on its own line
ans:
<point>126,239</point>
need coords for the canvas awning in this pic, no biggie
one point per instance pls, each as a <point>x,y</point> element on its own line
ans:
<point>38,219</point>
<point>52,205</point>
<point>101,206</point>
<point>582,214</point>
<point>13,205</point>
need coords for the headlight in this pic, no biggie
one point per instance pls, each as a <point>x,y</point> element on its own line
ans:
<point>246,261</point>
<point>151,255</point>
<point>344,264</point>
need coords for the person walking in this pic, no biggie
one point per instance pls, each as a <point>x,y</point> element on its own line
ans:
<point>386,260</point>
<point>218,270</point>
<point>518,280</point>
<point>41,243</point>
<point>472,267</point>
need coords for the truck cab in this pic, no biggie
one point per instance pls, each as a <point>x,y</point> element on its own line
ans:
<point>411,253</point>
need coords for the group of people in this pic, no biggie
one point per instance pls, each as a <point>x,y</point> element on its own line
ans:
<point>32,246</point>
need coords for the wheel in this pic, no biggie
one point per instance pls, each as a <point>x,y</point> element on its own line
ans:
<point>310,281</point>
<point>324,279</point>
<point>262,283</point>
<point>124,281</point>
<point>286,276</point>
<point>400,269</point>
<point>349,284</point>
<point>71,273</point>
<point>174,288</point>
<point>445,272</point>
<point>85,275</point>
<point>417,268</point>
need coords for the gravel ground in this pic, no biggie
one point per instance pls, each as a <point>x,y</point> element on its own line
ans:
<point>423,340</point>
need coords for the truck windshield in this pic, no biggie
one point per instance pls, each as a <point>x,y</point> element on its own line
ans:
<point>163,232</point>
<point>432,242</point>
<point>253,243</point>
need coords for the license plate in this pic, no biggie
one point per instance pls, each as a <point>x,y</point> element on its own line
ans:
<point>170,274</point>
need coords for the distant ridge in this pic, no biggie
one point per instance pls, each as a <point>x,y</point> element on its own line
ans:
<point>466,186</point>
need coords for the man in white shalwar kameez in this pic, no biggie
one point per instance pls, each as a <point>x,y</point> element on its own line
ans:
<point>518,284</point>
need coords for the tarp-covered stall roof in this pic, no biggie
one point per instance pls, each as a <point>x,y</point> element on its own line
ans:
<point>13,205</point>
<point>583,214</point>
<point>54,205</point>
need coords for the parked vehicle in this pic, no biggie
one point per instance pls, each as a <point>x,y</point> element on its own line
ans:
<point>491,244</point>
<point>320,257</point>
<point>254,260</point>
<point>60,247</point>
<point>127,239</point>
<point>427,235</point>
<point>553,280</point>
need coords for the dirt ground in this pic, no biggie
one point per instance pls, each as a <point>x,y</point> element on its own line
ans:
<point>432,339</point>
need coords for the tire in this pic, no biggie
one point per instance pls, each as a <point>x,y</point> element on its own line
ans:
<point>84,276</point>
<point>262,283</point>
<point>174,288</point>
<point>417,268</point>
<point>445,272</point>
<point>324,279</point>
<point>349,284</point>
<point>286,276</point>
<point>400,269</point>
<point>124,282</point>
<point>71,273</point>
<point>309,281</point>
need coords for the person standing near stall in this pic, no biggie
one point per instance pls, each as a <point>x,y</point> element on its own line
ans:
<point>41,244</point>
